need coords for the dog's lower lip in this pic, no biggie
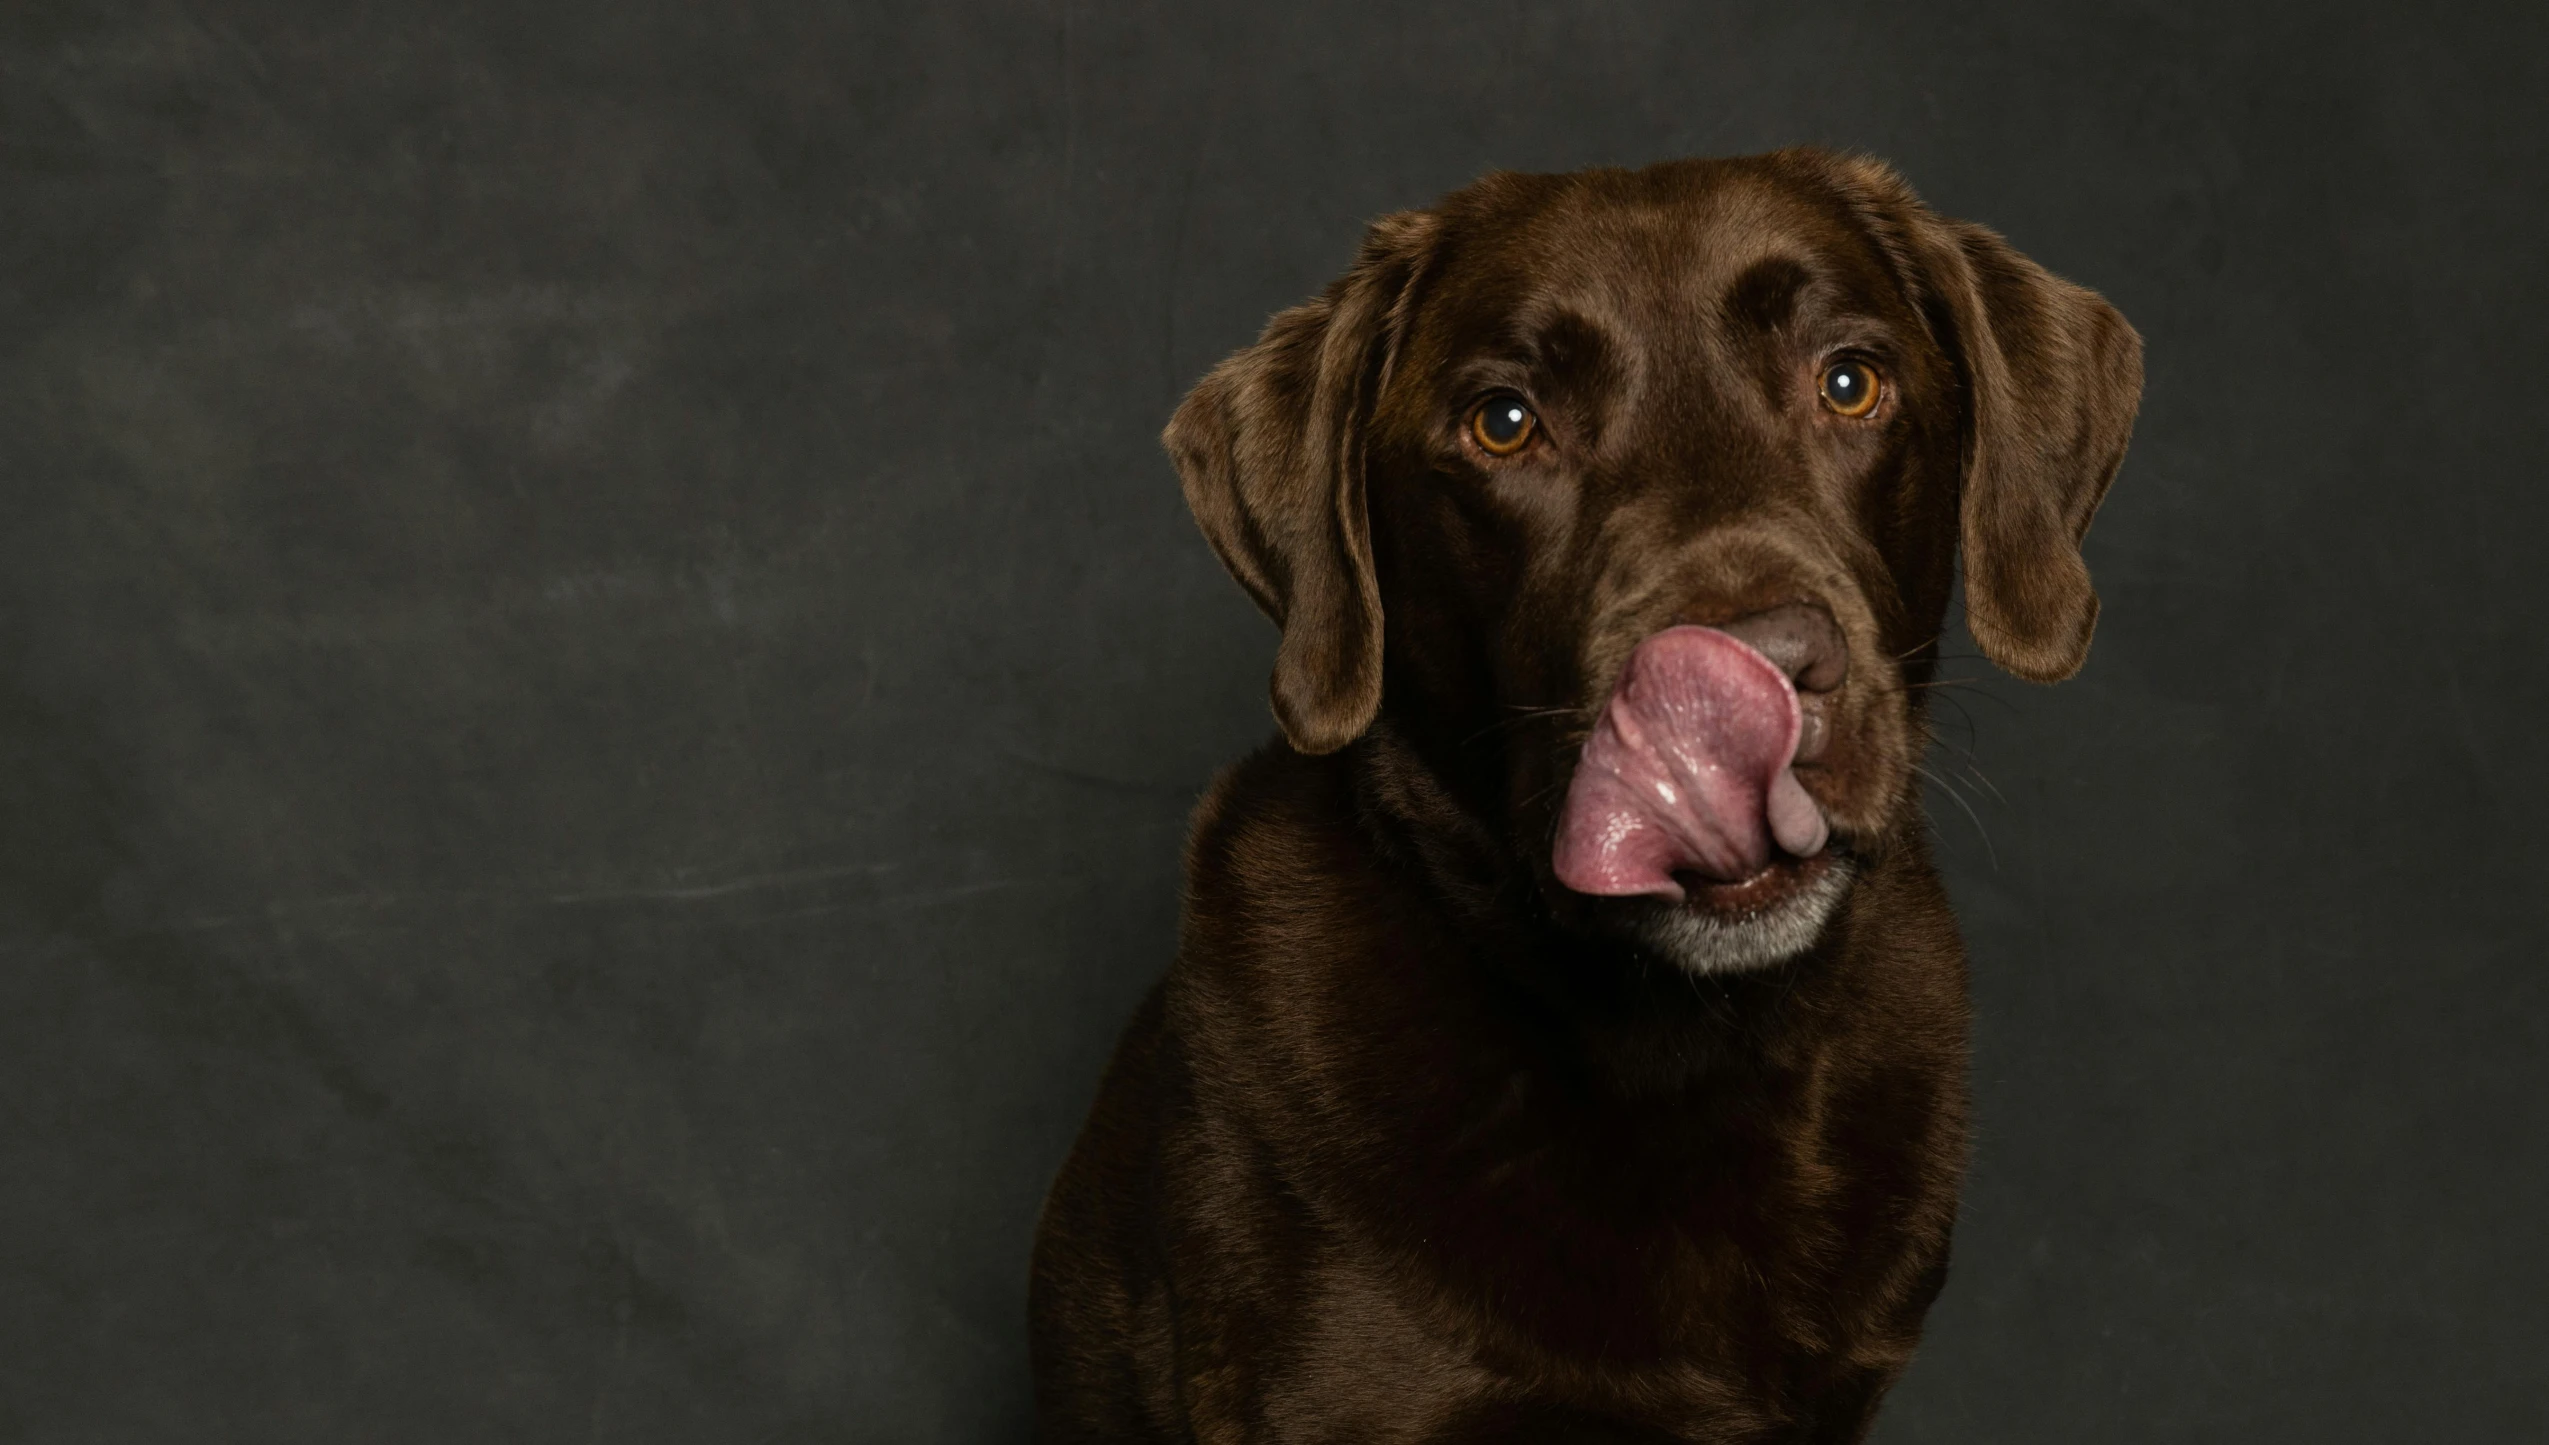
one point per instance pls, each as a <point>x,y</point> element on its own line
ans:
<point>1774,884</point>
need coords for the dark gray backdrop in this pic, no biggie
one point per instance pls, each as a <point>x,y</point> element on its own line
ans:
<point>601,677</point>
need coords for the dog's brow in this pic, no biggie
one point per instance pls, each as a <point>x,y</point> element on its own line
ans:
<point>1543,341</point>
<point>1569,341</point>
<point>1764,297</point>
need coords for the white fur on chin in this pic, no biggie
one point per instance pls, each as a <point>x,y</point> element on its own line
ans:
<point>1703,943</point>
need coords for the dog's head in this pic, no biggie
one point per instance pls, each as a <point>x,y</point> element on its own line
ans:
<point>1630,501</point>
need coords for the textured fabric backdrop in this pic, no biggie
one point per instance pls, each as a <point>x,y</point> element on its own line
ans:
<point>600,677</point>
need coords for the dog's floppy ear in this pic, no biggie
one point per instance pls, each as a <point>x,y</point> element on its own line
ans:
<point>1270,450</point>
<point>2053,377</point>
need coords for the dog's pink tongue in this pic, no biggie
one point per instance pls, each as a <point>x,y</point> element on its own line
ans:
<point>1687,771</point>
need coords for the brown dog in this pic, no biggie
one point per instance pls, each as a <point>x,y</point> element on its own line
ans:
<point>1568,1040</point>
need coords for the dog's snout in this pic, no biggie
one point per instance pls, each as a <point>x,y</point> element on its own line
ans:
<point>1801,639</point>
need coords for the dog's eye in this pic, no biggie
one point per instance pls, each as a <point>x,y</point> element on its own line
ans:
<point>1851,387</point>
<point>1502,425</point>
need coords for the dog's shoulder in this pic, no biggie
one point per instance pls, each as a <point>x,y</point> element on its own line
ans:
<point>1273,835</point>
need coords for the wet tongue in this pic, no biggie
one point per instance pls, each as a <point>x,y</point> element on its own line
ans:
<point>1688,771</point>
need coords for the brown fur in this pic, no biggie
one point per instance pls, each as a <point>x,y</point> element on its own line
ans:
<point>1412,1143</point>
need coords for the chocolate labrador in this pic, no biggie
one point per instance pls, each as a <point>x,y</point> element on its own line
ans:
<point>1568,1039</point>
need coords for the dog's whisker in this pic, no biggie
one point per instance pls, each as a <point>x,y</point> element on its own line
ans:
<point>1524,714</point>
<point>1972,771</point>
<point>1962,713</point>
<point>1972,767</point>
<point>1975,818</point>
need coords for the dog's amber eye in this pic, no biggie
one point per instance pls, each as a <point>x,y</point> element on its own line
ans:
<point>1502,425</point>
<point>1851,387</point>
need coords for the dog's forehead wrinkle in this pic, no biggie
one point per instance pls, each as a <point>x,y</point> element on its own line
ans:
<point>1695,219</point>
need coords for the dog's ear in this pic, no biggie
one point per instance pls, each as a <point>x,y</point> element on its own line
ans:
<point>2053,377</point>
<point>1270,450</point>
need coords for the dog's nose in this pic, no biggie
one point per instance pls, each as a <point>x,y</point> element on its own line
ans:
<point>1801,639</point>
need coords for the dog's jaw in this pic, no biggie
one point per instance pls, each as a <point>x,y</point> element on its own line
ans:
<point>1701,939</point>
